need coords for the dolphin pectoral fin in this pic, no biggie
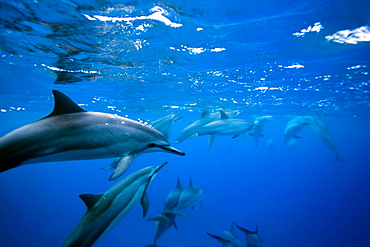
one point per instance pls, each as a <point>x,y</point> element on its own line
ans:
<point>246,135</point>
<point>201,204</point>
<point>221,240</point>
<point>121,165</point>
<point>235,136</point>
<point>175,225</point>
<point>113,165</point>
<point>90,199</point>
<point>211,140</point>
<point>145,203</point>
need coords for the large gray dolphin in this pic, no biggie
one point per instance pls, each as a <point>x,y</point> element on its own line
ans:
<point>227,238</point>
<point>71,133</point>
<point>165,124</point>
<point>323,132</point>
<point>105,210</point>
<point>253,239</point>
<point>190,196</point>
<point>206,118</point>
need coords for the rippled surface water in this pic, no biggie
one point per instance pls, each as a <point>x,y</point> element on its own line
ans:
<point>146,59</point>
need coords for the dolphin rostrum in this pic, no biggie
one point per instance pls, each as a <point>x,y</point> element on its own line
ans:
<point>105,210</point>
<point>71,133</point>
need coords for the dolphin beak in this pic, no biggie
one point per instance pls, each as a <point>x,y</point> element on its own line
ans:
<point>171,149</point>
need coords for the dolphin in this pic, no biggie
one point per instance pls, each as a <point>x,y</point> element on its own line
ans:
<point>225,126</point>
<point>190,196</point>
<point>294,126</point>
<point>174,196</point>
<point>165,220</point>
<point>105,210</point>
<point>165,124</point>
<point>71,133</point>
<point>259,124</point>
<point>253,239</point>
<point>206,118</point>
<point>323,132</point>
<point>227,238</point>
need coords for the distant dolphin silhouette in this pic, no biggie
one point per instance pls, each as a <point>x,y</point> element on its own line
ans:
<point>105,210</point>
<point>173,198</point>
<point>227,238</point>
<point>71,133</point>
<point>294,126</point>
<point>323,132</point>
<point>206,118</point>
<point>253,239</point>
<point>190,196</point>
<point>259,124</point>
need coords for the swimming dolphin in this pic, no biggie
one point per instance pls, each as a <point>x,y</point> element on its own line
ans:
<point>190,196</point>
<point>165,220</point>
<point>207,117</point>
<point>294,126</point>
<point>323,132</point>
<point>225,126</point>
<point>105,210</point>
<point>71,133</point>
<point>227,238</point>
<point>164,124</point>
<point>253,239</point>
<point>174,196</point>
<point>259,124</point>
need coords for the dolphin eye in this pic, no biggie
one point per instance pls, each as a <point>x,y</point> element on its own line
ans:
<point>152,145</point>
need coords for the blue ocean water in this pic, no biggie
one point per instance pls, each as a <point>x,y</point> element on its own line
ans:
<point>147,59</point>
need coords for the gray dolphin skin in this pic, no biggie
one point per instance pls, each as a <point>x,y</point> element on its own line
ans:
<point>253,239</point>
<point>259,124</point>
<point>165,124</point>
<point>71,133</point>
<point>227,238</point>
<point>105,210</point>
<point>190,196</point>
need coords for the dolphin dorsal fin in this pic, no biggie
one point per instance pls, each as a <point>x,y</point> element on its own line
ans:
<point>64,105</point>
<point>205,113</point>
<point>223,115</point>
<point>178,185</point>
<point>90,199</point>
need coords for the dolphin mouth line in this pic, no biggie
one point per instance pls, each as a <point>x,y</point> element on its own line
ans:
<point>171,149</point>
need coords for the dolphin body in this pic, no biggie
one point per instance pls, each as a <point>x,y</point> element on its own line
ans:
<point>165,124</point>
<point>225,126</point>
<point>323,132</point>
<point>253,239</point>
<point>71,133</point>
<point>174,196</point>
<point>259,124</point>
<point>227,238</point>
<point>105,210</point>
<point>190,196</point>
<point>206,118</point>
<point>294,126</point>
